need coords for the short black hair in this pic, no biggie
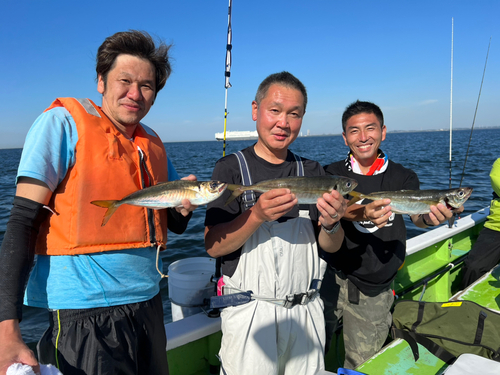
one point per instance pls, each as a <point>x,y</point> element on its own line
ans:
<point>359,107</point>
<point>135,43</point>
<point>284,79</point>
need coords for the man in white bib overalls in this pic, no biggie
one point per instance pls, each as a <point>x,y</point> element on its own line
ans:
<point>269,245</point>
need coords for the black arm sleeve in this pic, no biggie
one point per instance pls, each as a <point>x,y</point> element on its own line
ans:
<point>17,254</point>
<point>176,222</point>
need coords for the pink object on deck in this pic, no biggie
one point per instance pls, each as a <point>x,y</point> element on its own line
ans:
<point>220,284</point>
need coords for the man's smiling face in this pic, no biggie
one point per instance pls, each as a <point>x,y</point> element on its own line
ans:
<point>363,135</point>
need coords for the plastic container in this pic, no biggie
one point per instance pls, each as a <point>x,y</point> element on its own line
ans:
<point>189,283</point>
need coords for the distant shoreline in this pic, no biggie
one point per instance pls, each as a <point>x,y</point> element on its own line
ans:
<point>339,134</point>
<point>332,135</point>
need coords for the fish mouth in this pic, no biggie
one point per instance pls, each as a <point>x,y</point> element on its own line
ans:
<point>222,188</point>
<point>467,192</point>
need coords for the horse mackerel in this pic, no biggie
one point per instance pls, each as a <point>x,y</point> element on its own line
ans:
<point>166,194</point>
<point>306,189</point>
<point>414,202</point>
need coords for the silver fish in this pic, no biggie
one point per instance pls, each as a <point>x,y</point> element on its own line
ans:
<point>306,189</point>
<point>413,202</point>
<point>167,194</point>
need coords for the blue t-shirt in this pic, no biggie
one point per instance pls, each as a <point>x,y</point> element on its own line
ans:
<point>80,281</point>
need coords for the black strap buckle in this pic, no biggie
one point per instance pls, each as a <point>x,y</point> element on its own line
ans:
<point>295,299</point>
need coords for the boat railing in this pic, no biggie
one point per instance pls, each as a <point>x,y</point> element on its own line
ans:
<point>434,259</point>
<point>190,329</point>
<point>443,232</point>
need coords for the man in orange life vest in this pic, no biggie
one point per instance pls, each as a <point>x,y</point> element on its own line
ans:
<point>103,319</point>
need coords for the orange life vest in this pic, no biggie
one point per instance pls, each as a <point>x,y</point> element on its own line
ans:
<point>107,166</point>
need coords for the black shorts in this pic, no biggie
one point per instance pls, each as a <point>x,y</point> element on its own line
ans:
<point>126,340</point>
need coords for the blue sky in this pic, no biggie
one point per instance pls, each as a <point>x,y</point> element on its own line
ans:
<point>394,53</point>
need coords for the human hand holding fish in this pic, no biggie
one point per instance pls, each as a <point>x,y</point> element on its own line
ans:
<point>273,204</point>
<point>378,212</point>
<point>186,207</point>
<point>305,190</point>
<point>278,197</point>
<point>332,207</point>
<point>439,214</point>
<point>437,205</point>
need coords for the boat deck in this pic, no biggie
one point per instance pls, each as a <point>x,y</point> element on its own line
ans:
<point>397,357</point>
<point>485,291</point>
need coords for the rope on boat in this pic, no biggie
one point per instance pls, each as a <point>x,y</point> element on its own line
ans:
<point>157,260</point>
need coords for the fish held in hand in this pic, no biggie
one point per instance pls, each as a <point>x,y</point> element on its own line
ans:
<point>167,194</point>
<point>306,189</point>
<point>413,202</point>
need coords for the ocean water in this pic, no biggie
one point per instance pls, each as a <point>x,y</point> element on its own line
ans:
<point>427,153</point>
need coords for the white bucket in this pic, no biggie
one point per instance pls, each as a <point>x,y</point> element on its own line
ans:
<point>189,283</point>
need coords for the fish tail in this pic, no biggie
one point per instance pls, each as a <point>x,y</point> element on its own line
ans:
<point>355,197</point>
<point>111,206</point>
<point>237,191</point>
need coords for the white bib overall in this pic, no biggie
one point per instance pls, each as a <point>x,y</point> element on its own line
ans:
<point>260,337</point>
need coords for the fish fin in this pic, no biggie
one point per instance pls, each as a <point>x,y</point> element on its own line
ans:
<point>111,208</point>
<point>355,197</point>
<point>233,187</point>
<point>236,193</point>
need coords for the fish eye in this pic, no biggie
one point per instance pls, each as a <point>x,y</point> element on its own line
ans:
<point>213,184</point>
<point>348,184</point>
<point>461,193</point>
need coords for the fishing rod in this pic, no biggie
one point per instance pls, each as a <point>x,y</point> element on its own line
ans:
<point>474,120</point>
<point>451,219</point>
<point>214,313</point>
<point>227,72</point>
<point>451,96</point>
